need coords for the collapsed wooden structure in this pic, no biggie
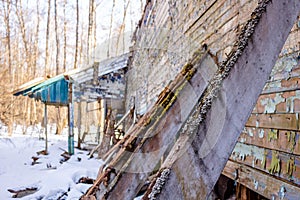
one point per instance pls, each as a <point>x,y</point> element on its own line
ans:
<point>181,145</point>
<point>184,142</point>
<point>104,80</point>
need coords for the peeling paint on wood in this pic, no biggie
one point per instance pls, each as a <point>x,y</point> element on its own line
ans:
<point>268,186</point>
<point>276,163</point>
<point>288,141</point>
<point>275,121</point>
<point>241,151</point>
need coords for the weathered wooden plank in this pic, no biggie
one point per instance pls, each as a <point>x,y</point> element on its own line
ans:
<point>162,136</point>
<point>283,85</point>
<point>265,185</point>
<point>204,158</point>
<point>280,140</point>
<point>156,131</point>
<point>276,121</point>
<point>206,13</point>
<point>280,102</point>
<point>219,24</point>
<point>276,163</point>
<point>286,67</point>
<point>291,45</point>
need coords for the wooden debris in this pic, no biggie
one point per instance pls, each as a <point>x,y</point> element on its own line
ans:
<point>66,156</point>
<point>42,152</point>
<point>49,166</point>
<point>19,193</point>
<point>34,160</point>
<point>86,180</point>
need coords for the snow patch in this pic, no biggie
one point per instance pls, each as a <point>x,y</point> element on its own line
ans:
<point>53,178</point>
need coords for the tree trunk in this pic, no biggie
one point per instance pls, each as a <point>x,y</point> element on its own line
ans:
<point>7,10</point>
<point>56,37</point>
<point>90,28</point>
<point>65,38</point>
<point>77,39</point>
<point>110,29</point>
<point>47,38</point>
<point>36,43</point>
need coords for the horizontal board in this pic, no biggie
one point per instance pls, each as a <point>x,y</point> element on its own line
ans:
<point>279,164</point>
<point>280,140</point>
<point>264,184</point>
<point>205,14</point>
<point>292,43</point>
<point>282,85</point>
<point>275,121</point>
<point>281,102</point>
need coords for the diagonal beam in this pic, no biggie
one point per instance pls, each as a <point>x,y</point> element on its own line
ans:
<point>155,133</point>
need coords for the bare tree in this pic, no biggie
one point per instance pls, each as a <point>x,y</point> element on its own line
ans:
<point>47,37</point>
<point>56,37</point>
<point>110,28</point>
<point>65,37</point>
<point>36,43</point>
<point>122,28</point>
<point>7,10</point>
<point>77,38</point>
<point>90,27</point>
<point>6,114</point>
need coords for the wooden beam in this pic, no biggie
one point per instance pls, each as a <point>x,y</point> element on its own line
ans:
<point>71,119</point>
<point>275,163</point>
<point>79,125</point>
<point>277,121</point>
<point>46,127</point>
<point>155,133</point>
<point>196,161</point>
<point>264,184</point>
<point>274,139</point>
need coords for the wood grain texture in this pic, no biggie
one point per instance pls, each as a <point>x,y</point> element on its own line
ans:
<point>135,167</point>
<point>265,159</point>
<point>283,140</point>
<point>276,121</point>
<point>206,156</point>
<point>260,182</point>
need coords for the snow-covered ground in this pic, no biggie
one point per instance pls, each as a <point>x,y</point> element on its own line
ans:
<point>51,176</point>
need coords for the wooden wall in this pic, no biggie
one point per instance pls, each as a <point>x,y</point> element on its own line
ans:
<point>269,146</point>
<point>268,150</point>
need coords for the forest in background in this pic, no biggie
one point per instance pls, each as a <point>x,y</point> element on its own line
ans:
<point>46,38</point>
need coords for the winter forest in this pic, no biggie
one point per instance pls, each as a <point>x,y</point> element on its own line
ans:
<point>49,37</point>
<point>40,40</point>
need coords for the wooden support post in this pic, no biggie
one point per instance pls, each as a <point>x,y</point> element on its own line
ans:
<point>46,131</point>
<point>98,119</point>
<point>243,193</point>
<point>102,119</point>
<point>79,125</point>
<point>71,120</point>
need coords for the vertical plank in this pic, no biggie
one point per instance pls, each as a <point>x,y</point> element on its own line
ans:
<point>71,120</point>
<point>244,193</point>
<point>79,125</point>
<point>46,123</point>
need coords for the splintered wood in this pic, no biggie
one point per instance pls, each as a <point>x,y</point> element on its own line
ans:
<point>19,193</point>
